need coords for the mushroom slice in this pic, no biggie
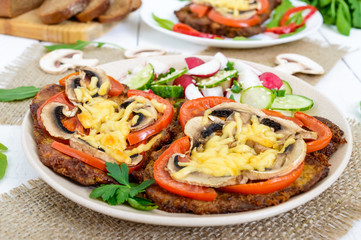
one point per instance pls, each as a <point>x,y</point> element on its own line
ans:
<point>83,146</point>
<point>199,132</point>
<point>72,83</point>
<point>60,60</point>
<point>97,77</point>
<point>144,116</point>
<point>199,178</point>
<point>143,52</point>
<point>292,63</point>
<point>284,164</point>
<point>51,116</point>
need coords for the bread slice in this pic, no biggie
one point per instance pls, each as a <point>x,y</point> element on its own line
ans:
<point>13,8</point>
<point>118,10</point>
<point>55,11</point>
<point>136,4</point>
<point>93,10</point>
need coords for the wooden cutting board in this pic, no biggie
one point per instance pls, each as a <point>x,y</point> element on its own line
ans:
<point>29,25</point>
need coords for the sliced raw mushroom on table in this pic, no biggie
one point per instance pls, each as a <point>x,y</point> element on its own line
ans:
<point>143,52</point>
<point>60,60</point>
<point>51,117</point>
<point>294,63</point>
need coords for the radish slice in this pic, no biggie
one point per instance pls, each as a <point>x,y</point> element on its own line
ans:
<point>158,66</point>
<point>183,81</point>
<point>193,62</point>
<point>270,80</point>
<point>215,91</point>
<point>246,76</point>
<point>207,69</point>
<point>192,92</point>
<point>222,59</point>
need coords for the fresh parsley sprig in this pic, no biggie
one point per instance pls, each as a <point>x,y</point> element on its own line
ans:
<point>79,45</point>
<point>3,160</point>
<point>19,93</point>
<point>126,192</point>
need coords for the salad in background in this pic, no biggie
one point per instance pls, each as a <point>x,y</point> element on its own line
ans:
<point>217,77</point>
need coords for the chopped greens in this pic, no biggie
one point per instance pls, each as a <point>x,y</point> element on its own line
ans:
<point>237,87</point>
<point>79,45</point>
<point>126,192</point>
<point>3,160</point>
<point>19,93</point>
<point>278,13</point>
<point>230,66</point>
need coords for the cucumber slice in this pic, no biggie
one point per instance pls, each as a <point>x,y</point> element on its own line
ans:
<point>168,91</point>
<point>258,96</point>
<point>170,77</point>
<point>286,86</point>
<point>216,79</point>
<point>142,79</point>
<point>292,102</point>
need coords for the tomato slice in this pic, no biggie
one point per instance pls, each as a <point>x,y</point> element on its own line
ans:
<point>62,81</point>
<point>324,133</point>
<point>61,98</point>
<point>196,107</point>
<point>218,18</point>
<point>90,160</point>
<point>116,87</point>
<point>162,177</point>
<point>200,10</point>
<point>280,115</point>
<point>264,6</point>
<point>159,125</point>
<point>268,186</point>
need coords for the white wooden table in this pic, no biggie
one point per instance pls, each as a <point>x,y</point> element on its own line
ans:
<point>342,84</point>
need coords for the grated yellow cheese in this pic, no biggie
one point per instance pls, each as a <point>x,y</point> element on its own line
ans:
<point>228,154</point>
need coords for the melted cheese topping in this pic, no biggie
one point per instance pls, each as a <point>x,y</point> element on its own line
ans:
<point>109,126</point>
<point>230,153</point>
<point>236,7</point>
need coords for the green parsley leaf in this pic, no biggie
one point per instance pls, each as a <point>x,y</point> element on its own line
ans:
<point>119,174</point>
<point>162,75</point>
<point>355,5</point>
<point>139,204</point>
<point>232,97</point>
<point>3,160</point>
<point>19,93</point>
<point>278,13</point>
<point>126,192</point>
<point>164,23</point>
<point>343,18</point>
<point>79,45</point>
<point>237,87</point>
<point>229,66</point>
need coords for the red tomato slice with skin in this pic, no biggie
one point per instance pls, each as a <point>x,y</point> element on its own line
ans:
<point>159,125</point>
<point>162,177</point>
<point>196,107</point>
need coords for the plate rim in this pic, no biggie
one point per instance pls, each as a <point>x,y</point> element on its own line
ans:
<point>144,13</point>
<point>186,220</point>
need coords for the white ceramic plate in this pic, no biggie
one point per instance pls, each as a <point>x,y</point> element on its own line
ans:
<point>165,9</point>
<point>80,194</point>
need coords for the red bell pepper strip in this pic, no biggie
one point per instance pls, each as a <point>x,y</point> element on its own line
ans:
<point>283,29</point>
<point>161,123</point>
<point>324,133</point>
<point>162,177</point>
<point>185,29</point>
<point>291,11</point>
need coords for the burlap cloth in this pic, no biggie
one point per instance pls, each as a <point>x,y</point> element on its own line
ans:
<point>36,211</point>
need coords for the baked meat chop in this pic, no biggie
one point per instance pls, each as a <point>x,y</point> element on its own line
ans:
<point>315,169</point>
<point>206,25</point>
<point>71,167</point>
